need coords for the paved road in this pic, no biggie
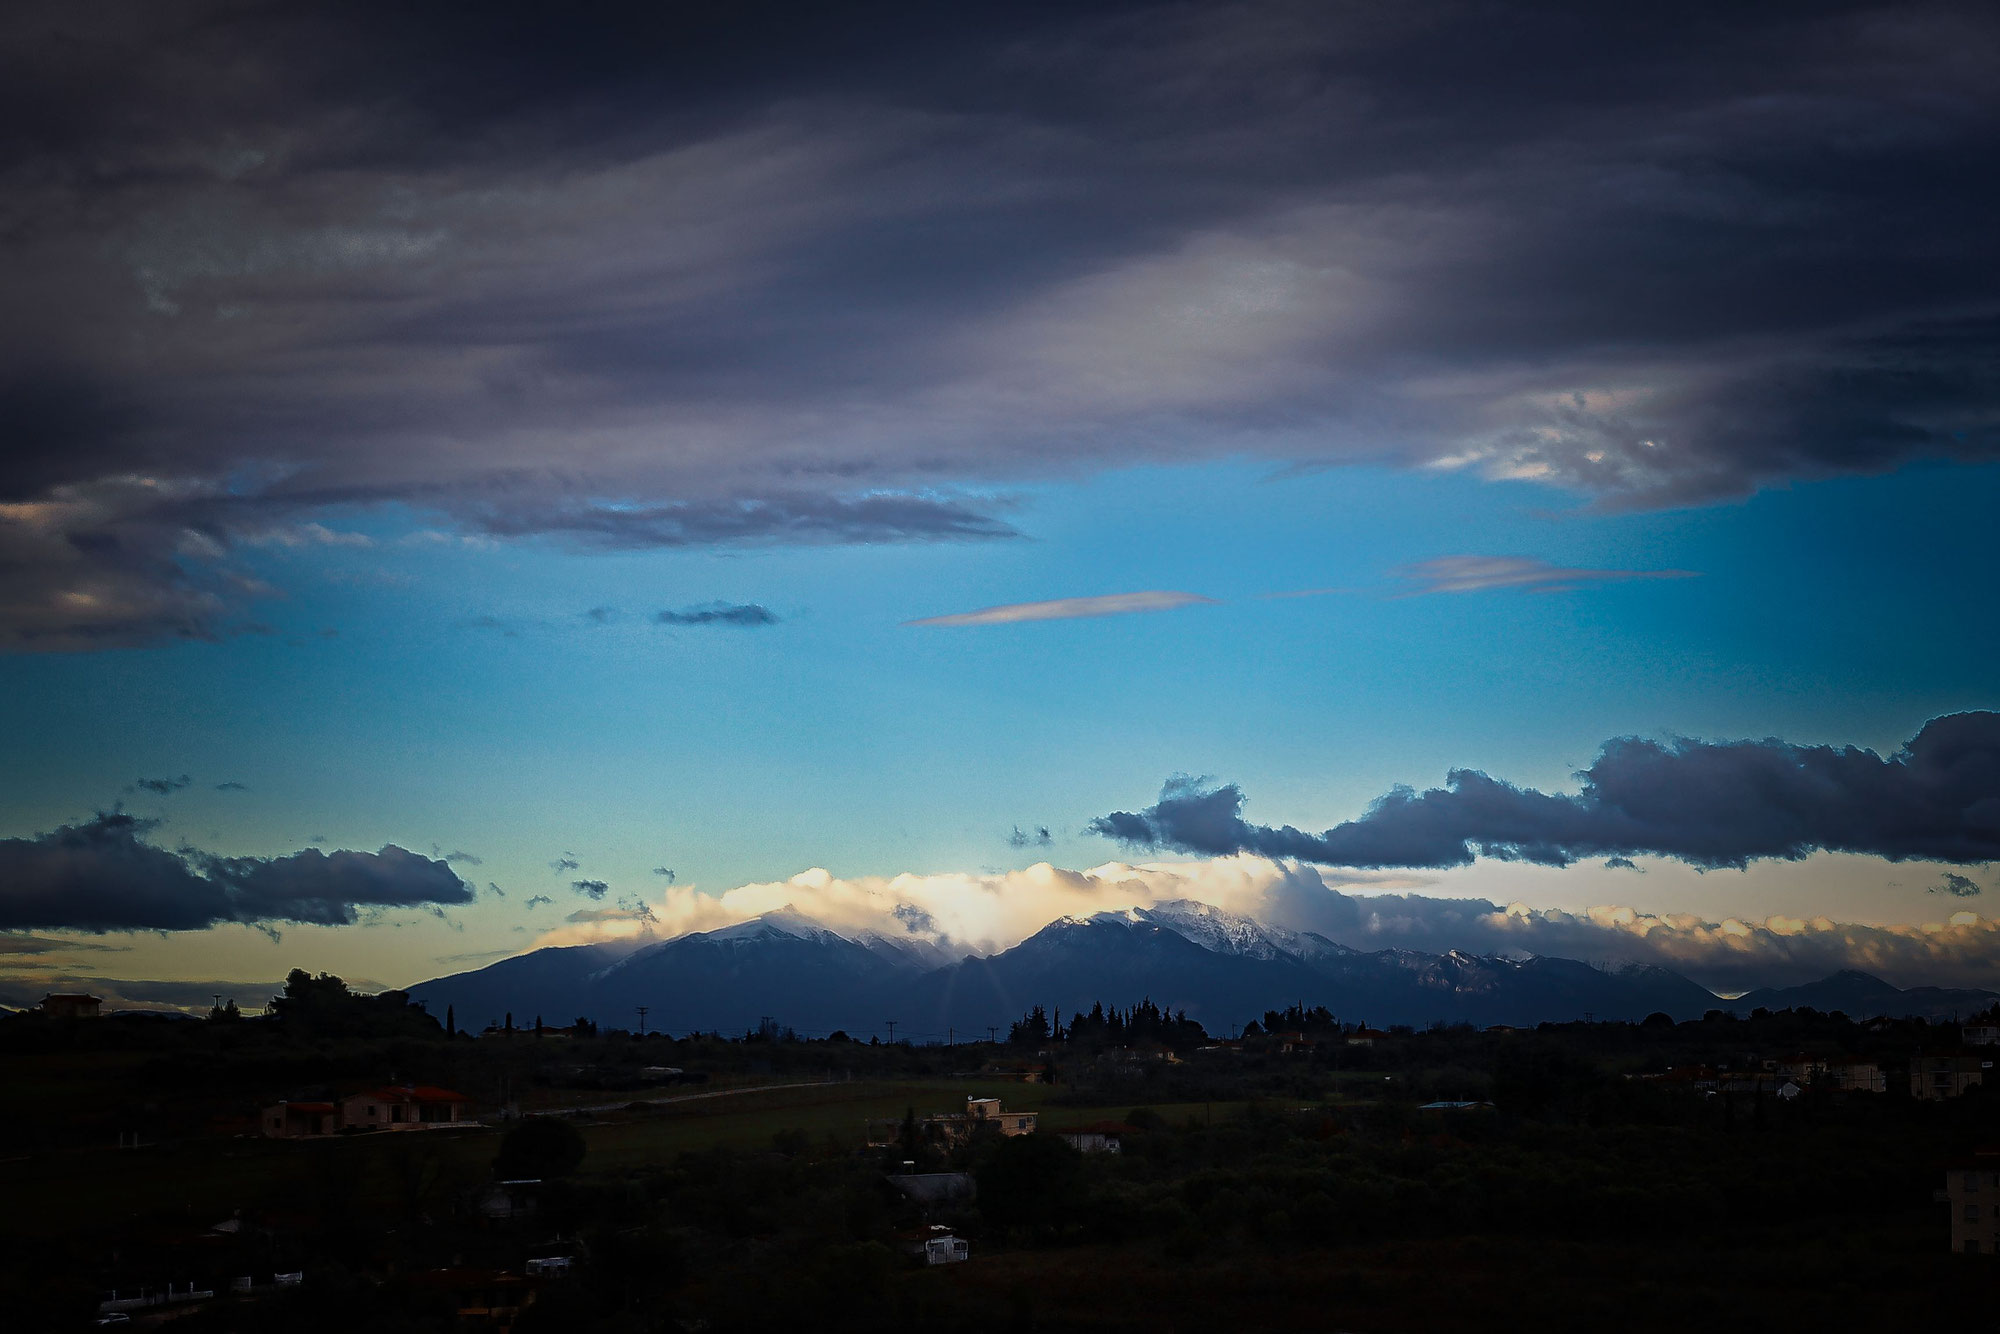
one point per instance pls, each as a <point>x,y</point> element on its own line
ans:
<point>623,1103</point>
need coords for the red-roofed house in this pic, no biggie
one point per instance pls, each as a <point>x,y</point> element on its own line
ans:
<point>402,1107</point>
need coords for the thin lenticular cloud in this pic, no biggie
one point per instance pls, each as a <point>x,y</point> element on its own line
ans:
<point>1478,574</point>
<point>1066,609</point>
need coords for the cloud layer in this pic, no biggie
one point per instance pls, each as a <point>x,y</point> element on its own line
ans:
<point>630,278</point>
<point>1369,911</point>
<point>103,875</point>
<point>1705,803</point>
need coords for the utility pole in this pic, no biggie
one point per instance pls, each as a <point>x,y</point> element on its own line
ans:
<point>642,1018</point>
<point>950,1035</point>
<point>892,1031</point>
<point>993,1034</point>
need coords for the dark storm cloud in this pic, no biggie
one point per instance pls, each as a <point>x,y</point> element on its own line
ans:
<point>103,875</point>
<point>630,278</point>
<point>719,613</point>
<point>1708,804</point>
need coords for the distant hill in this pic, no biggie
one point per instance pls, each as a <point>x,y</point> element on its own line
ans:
<point>1861,995</point>
<point>1221,968</point>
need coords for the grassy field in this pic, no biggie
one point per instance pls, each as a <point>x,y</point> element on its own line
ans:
<point>204,1180</point>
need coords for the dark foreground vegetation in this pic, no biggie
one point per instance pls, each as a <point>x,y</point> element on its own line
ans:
<point>1648,1176</point>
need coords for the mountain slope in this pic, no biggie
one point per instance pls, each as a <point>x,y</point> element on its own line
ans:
<point>1860,995</point>
<point>1222,968</point>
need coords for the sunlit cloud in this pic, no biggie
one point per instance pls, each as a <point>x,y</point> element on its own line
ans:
<point>1064,609</point>
<point>1479,574</point>
<point>983,914</point>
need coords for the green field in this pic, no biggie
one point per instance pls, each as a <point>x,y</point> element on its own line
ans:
<point>204,1180</point>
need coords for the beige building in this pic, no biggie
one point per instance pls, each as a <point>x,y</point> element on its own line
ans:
<point>402,1107</point>
<point>1936,1077</point>
<point>1836,1072</point>
<point>1972,1188</point>
<point>988,1111</point>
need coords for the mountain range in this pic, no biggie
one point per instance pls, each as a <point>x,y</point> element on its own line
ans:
<point>1222,968</point>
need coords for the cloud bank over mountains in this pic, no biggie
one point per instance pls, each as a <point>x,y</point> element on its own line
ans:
<point>104,875</point>
<point>629,278</point>
<point>984,914</point>
<point>1710,804</point>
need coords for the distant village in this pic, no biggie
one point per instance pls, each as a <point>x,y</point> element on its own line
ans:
<point>1082,1085</point>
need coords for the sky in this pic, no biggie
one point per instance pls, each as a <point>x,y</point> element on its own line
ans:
<point>497,475</point>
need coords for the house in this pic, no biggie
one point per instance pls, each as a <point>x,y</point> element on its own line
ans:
<point>1937,1077</point>
<point>512,1199</point>
<point>70,1005</point>
<point>946,1250</point>
<point>1365,1037</point>
<point>1972,1189</point>
<point>296,1120</point>
<point>1835,1072</point>
<point>1105,1137</point>
<point>402,1107</point>
<point>987,1111</point>
<point>934,1245</point>
<point>950,1128</point>
<point>1982,1035</point>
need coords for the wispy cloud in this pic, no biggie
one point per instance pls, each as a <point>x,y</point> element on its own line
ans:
<point>161,786</point>
<point>718,613</point>
<point>305,535</point>
<point>1064,609</point>
<point>15,943</point>
<point>1478,574</point>
<point>595,888</point>
<point>1958,886</point>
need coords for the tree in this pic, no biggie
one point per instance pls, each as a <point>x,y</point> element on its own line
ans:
<point>539,1148</point>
